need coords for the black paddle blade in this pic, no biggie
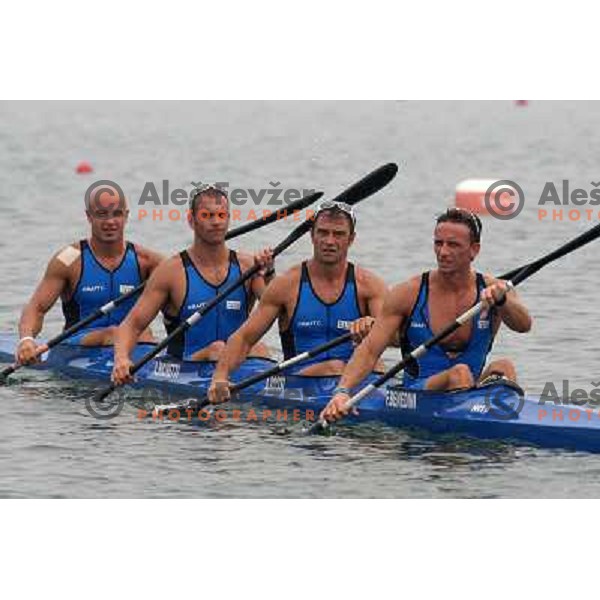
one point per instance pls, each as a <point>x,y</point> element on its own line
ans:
<point>319,429</point>
<point>368,185</point>
<point>293,206</point>
<point>4,374</point>
<point>104,393</point>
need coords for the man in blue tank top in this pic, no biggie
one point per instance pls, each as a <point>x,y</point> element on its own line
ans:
<point>425,304</point>
<point>88,274</point>
<point>186,281</point>
<point>314,302</point>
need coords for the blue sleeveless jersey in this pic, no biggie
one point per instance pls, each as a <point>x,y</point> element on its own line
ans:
<point>418,331</point>
<point>97,286</point>
<point>217,324</point>
<point>315,322</point>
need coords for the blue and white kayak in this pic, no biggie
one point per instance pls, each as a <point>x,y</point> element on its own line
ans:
<point>496,411</point>
<point>499,410</point>
<point>165,373</point>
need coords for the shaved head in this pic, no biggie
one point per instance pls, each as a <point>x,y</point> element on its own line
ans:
<point>105,195</point>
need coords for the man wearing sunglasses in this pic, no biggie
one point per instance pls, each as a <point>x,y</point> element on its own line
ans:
<point>190,279</point>
<point>88,274</point>
<point>314,302</point>
<point>425,304</point>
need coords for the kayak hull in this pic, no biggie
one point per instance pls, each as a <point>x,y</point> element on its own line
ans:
<point>498,411</point>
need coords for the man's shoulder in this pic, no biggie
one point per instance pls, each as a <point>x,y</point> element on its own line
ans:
<point>285,285</point>
<point>66,257</point>
<point>364,276</point>
<point>147,256</point>
<point>405,293</point>
<point>292,275</point>
<point>169,268</point>
<point>142,251</point>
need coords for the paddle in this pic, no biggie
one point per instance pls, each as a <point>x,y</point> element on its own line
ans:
<point>110,306</point>
<point>290,208</point>
<point>61,337</point>
<point>518,276</point>
<point>362,189</point>
<point>533,267</point>
<point>196,404</point>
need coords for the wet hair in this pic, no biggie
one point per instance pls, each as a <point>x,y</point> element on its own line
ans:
<point>460,215</point>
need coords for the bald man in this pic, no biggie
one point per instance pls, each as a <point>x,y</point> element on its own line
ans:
<point>88,274</point>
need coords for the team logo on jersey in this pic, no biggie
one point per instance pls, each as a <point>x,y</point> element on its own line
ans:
<point>124,288</point>
<point>196,306</point>
<point>92,288</point>
<point>313,323</point>
<point>233,304</point>
<point>418,325</point>
<point>483,324</point>
<point>341,324</point>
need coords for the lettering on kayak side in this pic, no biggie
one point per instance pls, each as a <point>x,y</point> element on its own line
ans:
<point>401,399</point>
<point>479,408</point>
<point>275,384</point>
<point>167,370</point>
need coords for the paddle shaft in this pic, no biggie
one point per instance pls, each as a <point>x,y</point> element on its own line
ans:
<point>535,266</point>
<point>289,208</point>
<point>61,337</point>
<point>195,404</point>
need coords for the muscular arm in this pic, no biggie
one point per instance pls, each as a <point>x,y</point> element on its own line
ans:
<point>396,307</point>
<point>253,329</point>
<point>375,292</point>
<point>513,312</point>
<point>53,284</point>
<point>258,283</point>
<point>153,298</point>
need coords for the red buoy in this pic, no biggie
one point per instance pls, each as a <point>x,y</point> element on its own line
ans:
<point>84,167</point>
<point>521,102</point>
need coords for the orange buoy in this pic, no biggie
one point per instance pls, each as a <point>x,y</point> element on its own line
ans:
<point>470,194</point>
<point>84,167</point>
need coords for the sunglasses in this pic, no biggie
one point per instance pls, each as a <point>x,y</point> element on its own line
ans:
<point>340,206</point>
<point>205,187</point>
<point>463,216</point>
